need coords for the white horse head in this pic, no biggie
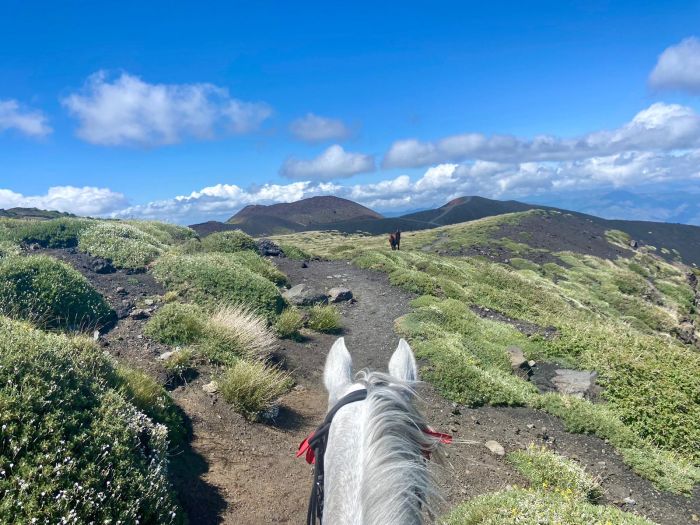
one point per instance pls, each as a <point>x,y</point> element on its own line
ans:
<point>375,468</point>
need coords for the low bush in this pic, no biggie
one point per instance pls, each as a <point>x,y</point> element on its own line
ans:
<point>8,249</point>
<point>152,399</point>
<point>261,266</point>
<point>181,364</point>
<point>289,323</point>
<point>177,324</point>
<point>294,252</point>
<point>228,242</point>
<point>546,469</point>
<point>54,233</point>
<point>164,232</point>
<point>124,244</point>
<point>72,448</point>
<point>50,293</point>
<point>252,387</point>
<point>324,319</point>
<point>214,279</point>
<point>233,332</point>
<point>537,507</point>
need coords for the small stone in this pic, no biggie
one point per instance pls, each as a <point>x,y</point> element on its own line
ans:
<point>148,302</point>
<point>139,313</point>
<point>495,447</point>
<point>121,290</point>
<point>166,355</point>
<point>303,295</point>
<point>530,426</point>
<point>629,501</point>
<point>339,294</point>
<point>211,388</point>
<point>99,265</point>
<point>304,265</point>
<point>532,363</point>
<point>96,335</point>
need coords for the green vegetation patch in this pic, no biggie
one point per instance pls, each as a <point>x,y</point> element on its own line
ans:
<point>177,324</point>
<point>289,323</point>
<point>71,444</point>
<point>294,252</point>
<point>124,244</point>
<point>213,278</point>
<point>252,387</point>
<point>257,264</point>
<point>537,507</point>
<point>228,242</point>
<point>324,319</point>
<point>54,233</point>
<point>50,293</point>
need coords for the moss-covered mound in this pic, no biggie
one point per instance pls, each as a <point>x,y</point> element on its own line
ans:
<point>219,278</point>
<point>228,242</point>
<point>54,233</point>
<point>124,244</point>
<point>72,449</point>
<point>50,293</point>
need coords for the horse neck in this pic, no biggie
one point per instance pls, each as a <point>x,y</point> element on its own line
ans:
<point>375,474</point>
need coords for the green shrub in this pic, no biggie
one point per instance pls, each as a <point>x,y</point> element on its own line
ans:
<point>294,252</point>
<point>71,445</point>
<point>50,293</point>
<point>54,233</point>
<point>324,319</point>
<point>8,249</point>
<point>181,363</point>
<point>162,231</point>
<point>537,507</point>
<point>232,332</point>
<point>228,242</point>
<point>177,324</point>
<point>261,266</point>
<point>212,279</point>
<point>151,398</point>
<point>123,244</point>
<point>289,323</point>
<point>545,469</point>
<point>253,388</point>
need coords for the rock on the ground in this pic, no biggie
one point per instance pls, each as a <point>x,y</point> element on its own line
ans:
<point>121,291</point>
<point>139,313</point>
<point>633,244</point>
<point>686,332</point>
<point>268,248</point>
<point>339,294</point>
<point>521,366</point>
<point>99,265</point>
<point>495,447</point>
<point>167,355</point>
<point>303,295</point>
<point>579,383</point>
<point>211,388</point>
<point>304,265</point>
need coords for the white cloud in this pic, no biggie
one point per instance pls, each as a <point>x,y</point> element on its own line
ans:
<point>128,111</point>
<point>678,67</point>
<point>660,127</point>
<point>333,163</point>
<point>314,128</point>
<point>28,122</point>
<point>87,200</point>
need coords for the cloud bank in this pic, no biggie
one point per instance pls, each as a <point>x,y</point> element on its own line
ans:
<point>87,200</point>
<point>26,121</point>
<point>333,163</point>
<point>660,127</point>
<point>314,128</point>
<point>678,67</point>
<point>128,111</point>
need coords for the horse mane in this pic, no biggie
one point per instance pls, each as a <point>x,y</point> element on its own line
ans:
<point>397,484</point>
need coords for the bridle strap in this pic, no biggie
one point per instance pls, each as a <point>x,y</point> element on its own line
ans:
<point>318,443</point>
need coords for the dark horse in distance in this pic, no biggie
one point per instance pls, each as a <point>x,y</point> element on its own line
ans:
<point>395,240</point>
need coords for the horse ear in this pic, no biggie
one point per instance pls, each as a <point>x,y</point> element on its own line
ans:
<point>402,364</point>
<point>337,374</point>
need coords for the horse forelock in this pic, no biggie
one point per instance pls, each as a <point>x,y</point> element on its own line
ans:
<point>397,485</point>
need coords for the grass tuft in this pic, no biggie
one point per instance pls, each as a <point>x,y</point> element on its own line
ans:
<point>252,387</point>
<point>289,323</point>
<point>324,319</point>
<point>177,324</point>
<point>228,242</point>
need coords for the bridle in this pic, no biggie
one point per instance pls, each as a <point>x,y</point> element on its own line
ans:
<point>314,448</point>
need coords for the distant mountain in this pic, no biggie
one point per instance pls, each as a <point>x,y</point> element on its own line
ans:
<point>300,215</point>
<point>32,213</point>
<point>567,229</point>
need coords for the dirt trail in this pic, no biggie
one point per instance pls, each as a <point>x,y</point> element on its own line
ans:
<point>236,472</point>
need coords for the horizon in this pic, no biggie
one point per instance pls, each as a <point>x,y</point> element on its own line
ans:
<point>120,112</point>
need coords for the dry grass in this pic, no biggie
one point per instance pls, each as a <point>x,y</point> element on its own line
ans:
<point>238,331</point>
<point>253,388</point>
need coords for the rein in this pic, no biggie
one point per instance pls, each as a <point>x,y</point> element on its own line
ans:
<point>314,447</point>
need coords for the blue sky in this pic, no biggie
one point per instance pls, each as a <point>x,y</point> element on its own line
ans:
<point>187,112</point>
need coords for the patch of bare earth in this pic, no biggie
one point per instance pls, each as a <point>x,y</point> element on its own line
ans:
<point>236,472</point>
